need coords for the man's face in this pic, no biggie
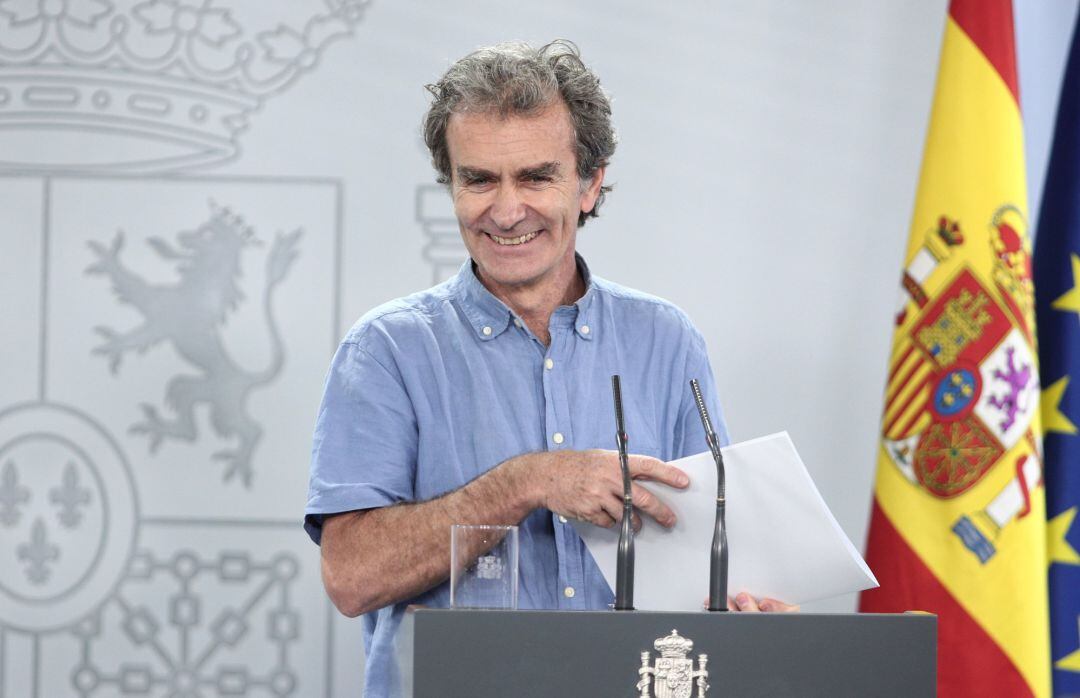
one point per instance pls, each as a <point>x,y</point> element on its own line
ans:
<point>517,195</point>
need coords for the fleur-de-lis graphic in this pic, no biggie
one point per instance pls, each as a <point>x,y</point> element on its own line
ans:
<point>39,552</point>
<point>12,495</point>
<point>69,496</point>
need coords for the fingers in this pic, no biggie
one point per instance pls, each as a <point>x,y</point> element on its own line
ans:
<point>652,505</point>
<point>599,518</point>
<point>774,606</point>
<point>648,468</point>
<point>585,485</point>
<point>612,509</point>
<point>607,520</point>
<point>746,602</point>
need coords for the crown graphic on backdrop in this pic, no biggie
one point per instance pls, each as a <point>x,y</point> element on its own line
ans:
<point>149,85</point>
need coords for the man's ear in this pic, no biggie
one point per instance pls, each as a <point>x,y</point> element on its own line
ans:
<point>592,191</point>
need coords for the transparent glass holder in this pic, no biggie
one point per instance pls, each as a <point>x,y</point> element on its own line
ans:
<point>483,566</point>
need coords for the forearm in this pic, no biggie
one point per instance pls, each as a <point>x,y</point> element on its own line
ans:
<point>378,557</point>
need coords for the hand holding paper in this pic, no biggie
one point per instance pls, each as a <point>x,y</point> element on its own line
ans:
<point>785,543</point>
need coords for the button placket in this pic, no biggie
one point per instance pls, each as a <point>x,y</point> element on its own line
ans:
<point>568,543</point>
<point>571,550</point>
<point>560,430</point>
<point>553,391</point>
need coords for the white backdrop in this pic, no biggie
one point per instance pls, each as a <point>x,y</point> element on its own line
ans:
<point>764,182</point>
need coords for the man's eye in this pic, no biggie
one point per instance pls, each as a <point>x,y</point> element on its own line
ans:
<point>539,178</point>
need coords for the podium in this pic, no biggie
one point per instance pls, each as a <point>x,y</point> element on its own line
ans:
<point>481,653</point>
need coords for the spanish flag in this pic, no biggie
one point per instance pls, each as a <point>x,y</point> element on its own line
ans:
<point>958,526</point>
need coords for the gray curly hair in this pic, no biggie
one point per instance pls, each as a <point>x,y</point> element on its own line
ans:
<point>517,79</point>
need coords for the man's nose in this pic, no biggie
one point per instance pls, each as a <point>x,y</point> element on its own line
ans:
<point>508,209</point>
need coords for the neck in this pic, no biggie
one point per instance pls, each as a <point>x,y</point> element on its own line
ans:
<point>534,303</point>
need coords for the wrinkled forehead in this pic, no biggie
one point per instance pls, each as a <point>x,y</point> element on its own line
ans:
<point>482,138</point>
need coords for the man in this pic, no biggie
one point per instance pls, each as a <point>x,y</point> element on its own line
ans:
<point>485,399</point>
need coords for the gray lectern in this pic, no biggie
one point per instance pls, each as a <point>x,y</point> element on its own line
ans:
<point>477,654</point>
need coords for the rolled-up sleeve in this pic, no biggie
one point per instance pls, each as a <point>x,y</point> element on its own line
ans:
<point>363,453</point>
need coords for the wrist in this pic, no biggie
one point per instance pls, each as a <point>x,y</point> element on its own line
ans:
<point>522,484</point>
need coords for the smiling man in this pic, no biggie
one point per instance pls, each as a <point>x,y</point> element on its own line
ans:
<point>487,399</point>
<point>519,200</point>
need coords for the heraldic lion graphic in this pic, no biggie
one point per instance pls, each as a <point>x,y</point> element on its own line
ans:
<point>189,314</point>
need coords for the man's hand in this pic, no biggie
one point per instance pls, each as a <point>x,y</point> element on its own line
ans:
<point>587,485</point>
<point>746,602</point>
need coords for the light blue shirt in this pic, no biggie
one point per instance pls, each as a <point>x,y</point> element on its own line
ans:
<point>430,391</point>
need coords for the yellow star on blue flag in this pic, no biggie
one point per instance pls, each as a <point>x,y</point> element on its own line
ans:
<point>1070,300</point>
<point>1053,419</point>
<point>1057,305</point>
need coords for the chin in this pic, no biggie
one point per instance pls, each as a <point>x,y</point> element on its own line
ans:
<point>511,277</point>
<point>511,271</point>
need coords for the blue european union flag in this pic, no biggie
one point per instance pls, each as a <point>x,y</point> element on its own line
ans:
<point>1057,303</point>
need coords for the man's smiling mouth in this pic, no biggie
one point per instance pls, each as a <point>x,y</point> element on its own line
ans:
<point>510,242</point>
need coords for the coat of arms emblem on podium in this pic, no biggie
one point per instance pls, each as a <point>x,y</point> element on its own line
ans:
<point>673,675</point>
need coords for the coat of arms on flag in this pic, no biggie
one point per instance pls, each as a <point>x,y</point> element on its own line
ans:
<point>958,525</point>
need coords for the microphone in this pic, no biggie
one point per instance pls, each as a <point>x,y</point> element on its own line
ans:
<point>718,560</point>
<point>624,566</point>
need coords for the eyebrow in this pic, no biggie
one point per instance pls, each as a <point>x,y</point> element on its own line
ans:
<point>473,173</point>
<point>545,169</point>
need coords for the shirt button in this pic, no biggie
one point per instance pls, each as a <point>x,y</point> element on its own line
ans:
<point>562,519</point>
<point>487,331</point>
<point>569,592</point>
<point>584,329</point>
<point>557,437</point>
<point>549,364</point>
<point>517,322</point>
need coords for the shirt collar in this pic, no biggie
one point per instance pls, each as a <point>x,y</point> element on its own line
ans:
<point>582,324</point>
<point>490,317</point>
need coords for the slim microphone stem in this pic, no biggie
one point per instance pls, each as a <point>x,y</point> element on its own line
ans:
<point>624,567</point>
<point>718,560</point>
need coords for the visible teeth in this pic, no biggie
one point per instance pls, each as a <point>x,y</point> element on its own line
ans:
<point>514,241</point>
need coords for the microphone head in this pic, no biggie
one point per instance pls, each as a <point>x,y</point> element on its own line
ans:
<point>616,391</point>
<point>703,411</point>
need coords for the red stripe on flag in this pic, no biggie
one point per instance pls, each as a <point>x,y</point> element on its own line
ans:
<point>989,24</point>
<point>970,663</point>
<point>904,368</point>
<point>905,430</point>
<point>916,394</point>
<point>900,383</point>
<point>899,362</point>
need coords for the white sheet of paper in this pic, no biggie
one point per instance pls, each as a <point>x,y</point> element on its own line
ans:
<point>783,541</point>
